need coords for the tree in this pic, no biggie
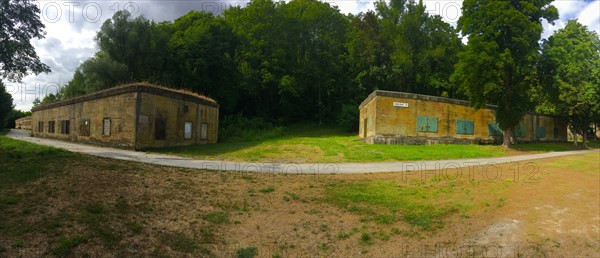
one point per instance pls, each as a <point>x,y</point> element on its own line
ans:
<point>571,72</point>
<point>127,40</point>
<point>497,66</point>
<point>6,104</point>
<point>19,23</point>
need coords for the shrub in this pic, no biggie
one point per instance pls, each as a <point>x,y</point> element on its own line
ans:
<point>240,128</point>
<point>348,118</point>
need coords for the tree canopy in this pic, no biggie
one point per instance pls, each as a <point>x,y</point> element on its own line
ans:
<point>570,73</point>
<point>498,65</point>
<point>19,23</point>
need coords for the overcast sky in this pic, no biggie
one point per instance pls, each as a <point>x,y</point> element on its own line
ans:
<point>72,25</point>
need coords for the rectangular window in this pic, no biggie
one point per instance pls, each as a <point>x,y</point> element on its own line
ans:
<point>519,131</point>
<point>204,131</point>
<point>65,126</point>
<point>84,127</point>
<point>40,127</point>
<point>160,128</point>
<point>540,132</point>
<point>187,130</point>
<point>555,133</point>
<point>427,124</point>
<point>464,126</point>
<point>51,126</point>
<point>106,126</point>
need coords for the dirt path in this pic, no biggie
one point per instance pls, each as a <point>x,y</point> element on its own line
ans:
<point>293,168</point>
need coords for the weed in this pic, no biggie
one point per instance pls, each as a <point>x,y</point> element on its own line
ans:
<point>248,252</point>
<point>365,238</point>
<point>346,234</point>
<point>217,217</point>
<point>67,244</point>
<point>267,189</point>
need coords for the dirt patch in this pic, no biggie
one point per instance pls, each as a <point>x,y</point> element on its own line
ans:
<point>131,209</point>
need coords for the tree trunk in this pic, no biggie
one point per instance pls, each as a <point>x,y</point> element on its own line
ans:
<point>506,138</point>
<point>584,139</point>
<point>575,139</point>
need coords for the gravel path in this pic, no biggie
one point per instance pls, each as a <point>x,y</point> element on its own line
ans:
<point>297,168</point>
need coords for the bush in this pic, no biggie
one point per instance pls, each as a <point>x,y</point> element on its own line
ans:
<point>348,118</point>
<point>239,128</point>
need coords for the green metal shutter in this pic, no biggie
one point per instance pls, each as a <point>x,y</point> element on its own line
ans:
<point>464,127</point>
<point>427,124</point>
<point>540,132</point>
<point>421,124</point>
<point>432,123</point>
<point>494,129</point>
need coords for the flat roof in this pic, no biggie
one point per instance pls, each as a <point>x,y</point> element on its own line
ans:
<point>133,87</point>
<point>406,95</point>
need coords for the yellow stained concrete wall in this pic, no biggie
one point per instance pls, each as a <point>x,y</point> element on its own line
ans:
<point>394,121</point>
<point>367,123</point>
<point>119,108</point>
<point>23,123</point>
<point>153,106</point>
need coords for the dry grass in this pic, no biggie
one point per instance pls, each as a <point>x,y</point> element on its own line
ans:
<point>100,207</point>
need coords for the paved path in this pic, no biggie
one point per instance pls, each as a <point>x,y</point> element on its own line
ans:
<point>306,168</point>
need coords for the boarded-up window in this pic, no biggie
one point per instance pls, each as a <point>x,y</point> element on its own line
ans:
<point>519,131</point>
<point>464,127</point>
<point>84,127</point>
<point>427,124</point>
<point>65,126</point>
<point>41,127</point>
<point>540,132</point>
<point>187,130</point>
<point>204,131</point>
<point>106,126</point>
<point>494,129</point>
<point>160,128</point>
<point>51,126</point>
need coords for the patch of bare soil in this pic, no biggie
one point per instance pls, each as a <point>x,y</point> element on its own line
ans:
<point>102,207</point>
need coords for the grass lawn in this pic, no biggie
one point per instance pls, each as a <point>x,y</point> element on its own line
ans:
<point>306,143</point>
<point>61,204</point>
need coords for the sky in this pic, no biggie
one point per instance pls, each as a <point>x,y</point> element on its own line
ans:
<point>72,25</point>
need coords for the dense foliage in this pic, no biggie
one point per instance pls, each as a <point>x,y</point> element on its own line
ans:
<point>303,60</point>
<point>282,61</point>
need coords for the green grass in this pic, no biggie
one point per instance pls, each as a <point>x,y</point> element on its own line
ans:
<point>309,143</point>
<point>22,161</point>
<point>419,204</point>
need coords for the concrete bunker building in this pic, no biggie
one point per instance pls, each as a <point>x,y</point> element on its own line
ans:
<point>23,123</point>
<point>133,116</point>
<point>388,117</point>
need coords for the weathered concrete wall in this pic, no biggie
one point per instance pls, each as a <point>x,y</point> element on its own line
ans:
<point>367,123</point>
<point>120,109</point>
<point>172,110</point>
<point>125,116</point>
<point>23,123</point>
<point>404,118</point>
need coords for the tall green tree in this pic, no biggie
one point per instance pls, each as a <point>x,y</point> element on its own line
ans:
<point>19,23</point>
<point>126,39</point>
<point>424,48</point>
<point>498,64</point>
<point>570,71</point>
<point>6,104</point>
